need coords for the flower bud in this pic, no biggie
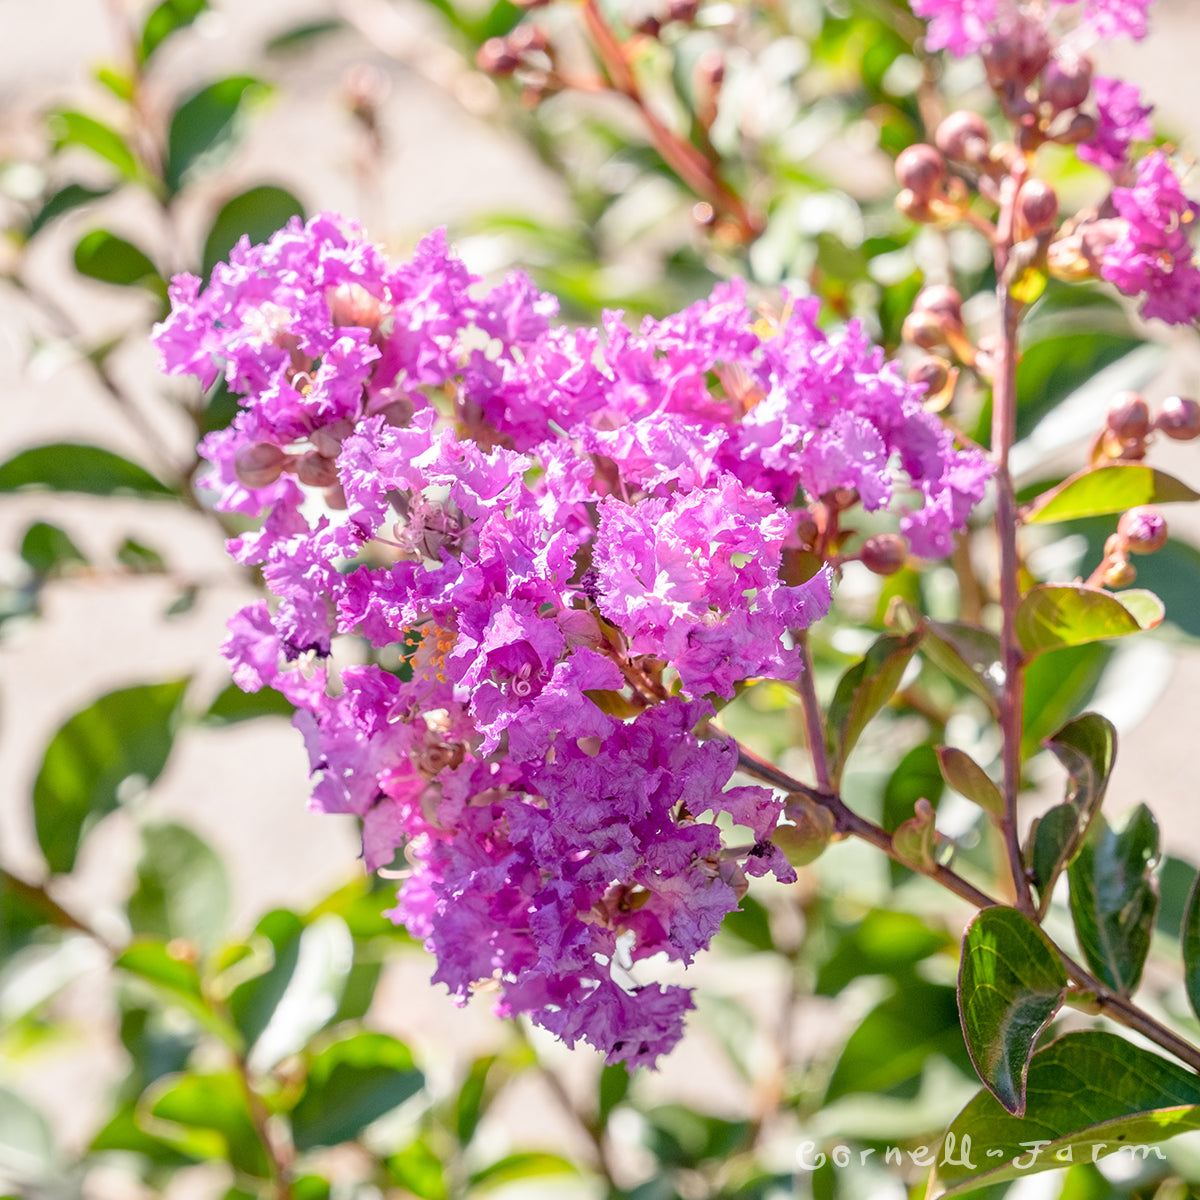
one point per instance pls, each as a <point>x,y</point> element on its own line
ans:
<point>682,10</point>
<point>328,439</point>
<point>1143,529</point>
<point>1128,417</point>
<point>1080,128</point>
<point>963,136</point>
<point>496,58</point>
<point>1037,205</point>
<point>1067,79</point>
<point>806,529</point>
<point>943,303</point>
<point>1179,418</point>
<point>812,830</point>
<point>527,39</point>
<point>884,553</point>
<point>1017,53</point>
<point>1119,573</point>
<point>914,208</point>
<point>923,329</point>
<point>932,371</point>
<point>258,464</point>
<point>316,470</point>
<point>922,170</point>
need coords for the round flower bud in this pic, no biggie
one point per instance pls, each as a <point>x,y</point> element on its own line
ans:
<point>963,135</point>
<point>1017,53</point>
<point>806,529</point>
<point>923,329</point>
<point>258,464</point>
<point>316,470</point>
<point>1179,418</point>
<point>943,303</point>
<point>1128,417</point>
<point>932,371</point>
<point>1120,573</point>
<point>351,304</point>
<point>526,39</point>
<point>922,170</point>
<point>398,412</point>
<point>1067,79</point>
<point>1080,128</point>
<point>1037,205</point>
<point>1143,529</point>
<point>495,57</point>
<point>884,554</point>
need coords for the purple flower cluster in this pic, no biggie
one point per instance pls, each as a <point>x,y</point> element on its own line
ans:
<point>1121,119</point>
<point>1152,254</point>
<point>566,544</point>
<point>965,26</point>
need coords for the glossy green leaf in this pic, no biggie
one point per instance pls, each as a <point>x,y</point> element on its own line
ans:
<point>1054,615</point>
<point>178,1107</point>
<point>1190,937</point>
<point>1108,489</point>
<point>175,978</point>
<point>182,889</point>
<point>1088,1095</point>
<point>968,655</point>
<point>48,550</point>
<point>65,200</point>
<point>205,127</point>
<point>612,1087</point>
<point>350,1084</point>
<point>123,739</point>
<point>418,1170</point>
<point>70,128</point>
<point>1114,898</point>
<point>71,467</point>
<point>1087,749</point>
<point>301,37</point>
<point>969,779</point>
<point>1010,984</point>
<point>255,214</point>
<point>889,1049</point>
<point>111,259</point>
<point>470,1106</point>
<point>1057,687</point>
<point>861,692</point>
<point>530,1164</point>
<point>164,20</point>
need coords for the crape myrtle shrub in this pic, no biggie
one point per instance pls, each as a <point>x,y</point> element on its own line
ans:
<point>582,615</point>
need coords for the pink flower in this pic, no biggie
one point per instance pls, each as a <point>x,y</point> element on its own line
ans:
<point>1121,119</point>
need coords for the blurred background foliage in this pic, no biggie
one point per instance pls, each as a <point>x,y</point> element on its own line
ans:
<point>253,1053</point>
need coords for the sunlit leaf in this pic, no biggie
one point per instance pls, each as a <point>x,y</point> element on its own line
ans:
<point>104,256</point>
<point>71,467</point>
<point>206,126</point>
<point>1010,983</point>
<point>164,20</point>
<point>1054,615</point>
<point>969,779</point>
<point>178,1107</point>
<point>70,128</point>
<point>1108,489</point>
<point>255,214</point>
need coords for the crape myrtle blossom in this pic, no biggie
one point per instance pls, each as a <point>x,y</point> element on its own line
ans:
<point>568,544</point>
<point>1122,119</point>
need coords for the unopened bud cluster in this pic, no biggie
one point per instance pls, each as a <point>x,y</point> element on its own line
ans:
<point>1141,530</point>
<point>1128,426</point>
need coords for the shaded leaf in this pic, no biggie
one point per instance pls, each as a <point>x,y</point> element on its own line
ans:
<point>124,736</point>
<point>1190,936</point>
<point>205,126</point>
<point>1108,489</point>
<point>968,655</point>
<point>300,37</point>
<point>255,214</point>
<point>350,1084</point>
<point>48,549</point>
<point>74,195</point>
<point>233,705</point>
<point>469,1106</point>
<point>1114,898</point>
<point>177,1107</point>
<point>1010,984</point>
<point>749,923</point>
<point>26,1141</point>
<point>182,889</point>
<point>1057,686</point>
<point>123,1133</point>
<point>176,979</point>
<point>861,692</point>
<point>69,128</point>
<point>527,1165</point>
<point>139,558</point>
<point>71,467</point>
<point>1091,1091</point>
<point>882,943</point>
<point>104,256</point>
<point>1087,749</point>
<point>1054,615</point>
<point>969,779</point>
<point>417,1169</point>
<point>164,20</point>
<point>612,1087</point>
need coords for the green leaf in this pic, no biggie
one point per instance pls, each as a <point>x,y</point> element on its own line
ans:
<point>350,1084</point>
<point>70,128</point>
<point>969,779</point>
<point>417,1169</point>
<point>888,1050</point>
<point>611,1088</point>
<point>164,20</point>
<point>1087,749</point>
<point>124,736</point>
<point>1057,686</point>
<point>300,37</point>
<point>182,889</point>
<point>255,214</point>
<point>526,1165</point>
<point>1108,489</point>
<point>861,692</point>
<point>123,1133</point>
<point>469,1106</point>
<point>882,943</point>
<point>1054,615</point>
<point>175,978</point>
<point>62,201</point>
<point>111,259</point>
<point>71,467</point>
<point>233,706</point>
<point>280,1010</point>
<point>1114,898</point>
<point>49,550</point>
<point>1010,984</point>
<point>206,126</point>
<point>968,655</point>
<point>915,840</point>
<point>1089,1094</point>
<point>177,1107</point>
<point>749,923</point>
<point>1190,936</point>
<point>139,558</point>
